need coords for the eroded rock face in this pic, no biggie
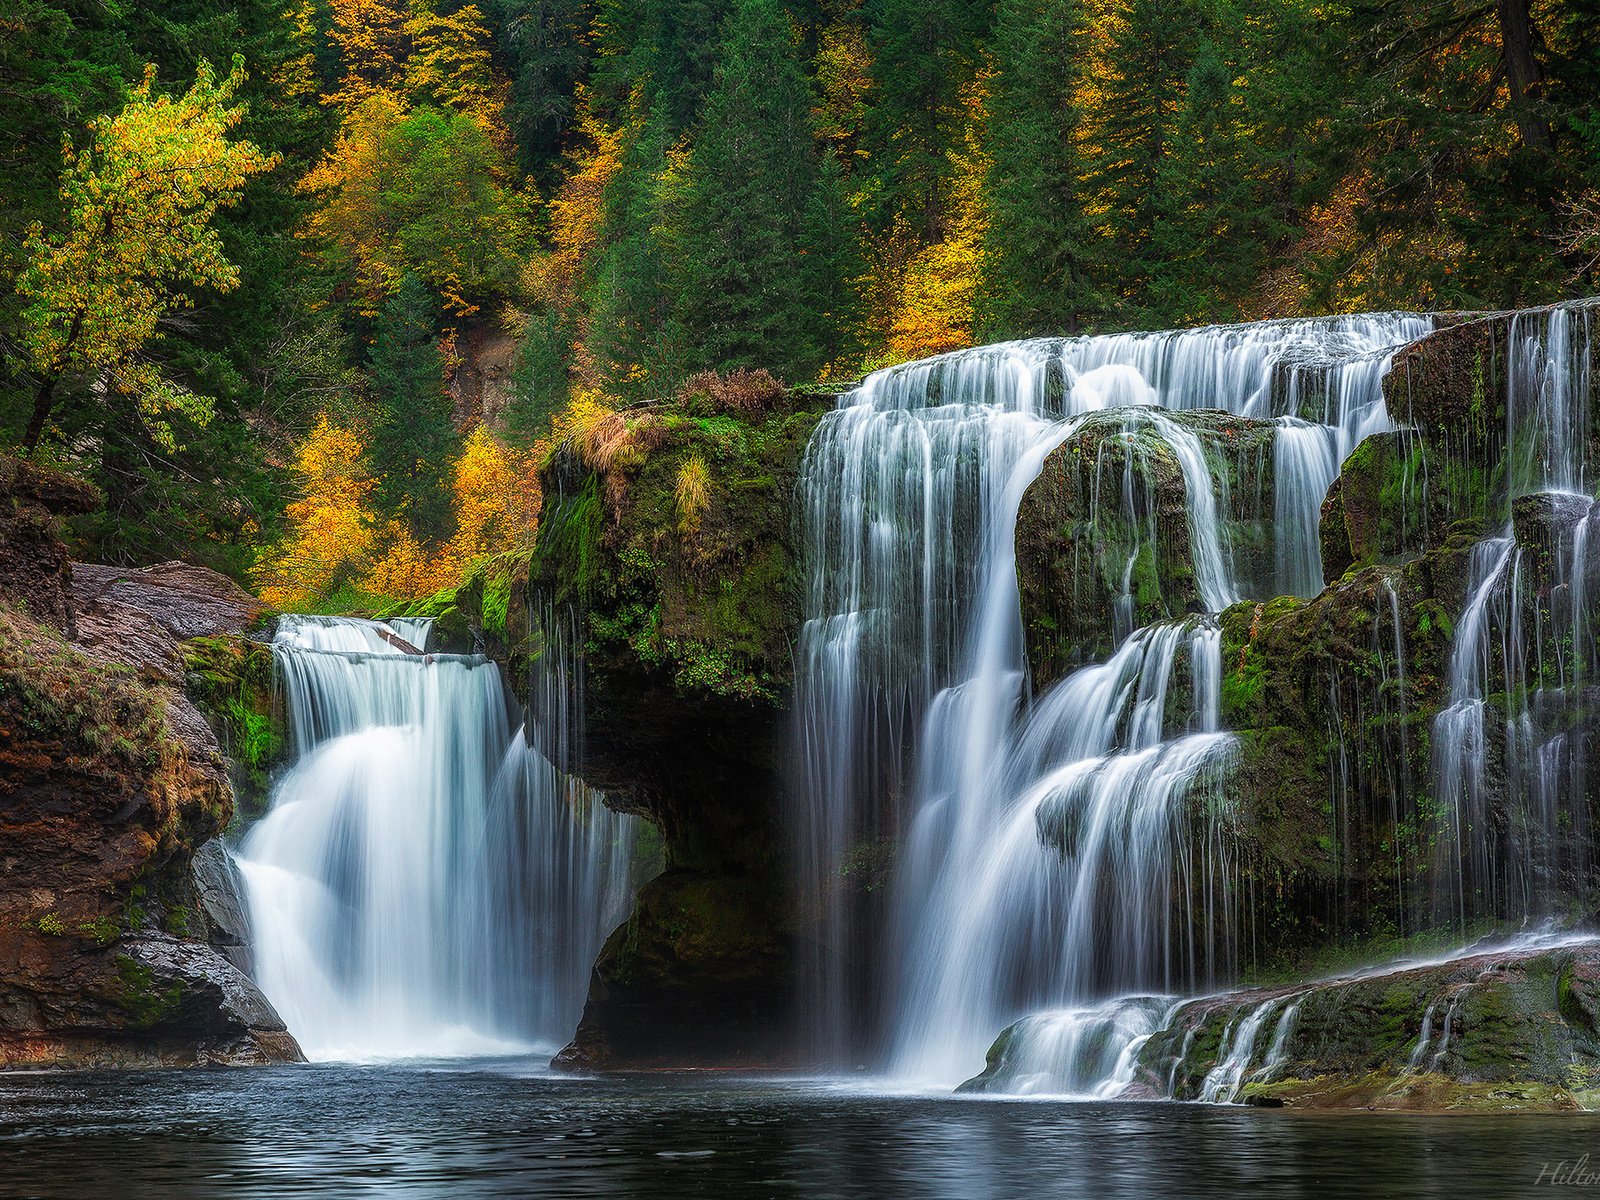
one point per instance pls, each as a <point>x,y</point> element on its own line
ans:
<point>685,614</point>
<point>110,779</point>
<point>1103,533</point>
<point>35,571</point>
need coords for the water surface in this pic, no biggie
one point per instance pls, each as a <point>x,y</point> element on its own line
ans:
<point>500,1129</point>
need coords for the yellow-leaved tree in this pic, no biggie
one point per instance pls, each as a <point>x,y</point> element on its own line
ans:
<point>330,528</point>
<point>136,241</point>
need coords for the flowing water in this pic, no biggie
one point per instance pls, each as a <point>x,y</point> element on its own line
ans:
<point>1041,838</point>
<point>425,883</point>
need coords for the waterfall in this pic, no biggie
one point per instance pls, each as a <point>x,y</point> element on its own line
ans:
<point>425,883</point>
<point>1043,840</point>
<point>1503,761</point>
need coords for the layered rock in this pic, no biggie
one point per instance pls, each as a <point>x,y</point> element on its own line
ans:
<point>666,563</point>
<point>110,778</point>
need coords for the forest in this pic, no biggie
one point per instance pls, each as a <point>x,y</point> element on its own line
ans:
<point>255,253</point>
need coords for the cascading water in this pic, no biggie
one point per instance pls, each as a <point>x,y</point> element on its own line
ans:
<point>1519,668</point>
<point>425,883</point>
<point>1042,843</point>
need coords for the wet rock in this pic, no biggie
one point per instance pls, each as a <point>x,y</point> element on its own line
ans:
<point>1501,1029</point>
<point>698,976</point>
<point>1103,533</point>
<point>219,898</point>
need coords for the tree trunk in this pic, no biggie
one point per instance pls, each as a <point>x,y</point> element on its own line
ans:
<point>1524,75</point>
<point>43,402</point>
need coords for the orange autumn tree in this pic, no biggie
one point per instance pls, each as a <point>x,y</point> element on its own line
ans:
<point>495,496</point>
<point>497,499</point>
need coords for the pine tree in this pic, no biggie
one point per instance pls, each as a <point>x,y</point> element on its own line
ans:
<point>413,437</point>
<point>751,178</point>
<point>1040,258</point>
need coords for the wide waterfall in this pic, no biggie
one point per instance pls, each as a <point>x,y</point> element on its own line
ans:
<point>425,882</point>
<point>1047,845</point>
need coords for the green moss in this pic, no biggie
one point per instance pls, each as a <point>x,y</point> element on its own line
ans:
<point>231,680</point>
<point>139,997</point>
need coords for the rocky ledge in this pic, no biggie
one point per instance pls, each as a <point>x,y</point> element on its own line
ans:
<point>114,950</point>
<point>1509,1027</point>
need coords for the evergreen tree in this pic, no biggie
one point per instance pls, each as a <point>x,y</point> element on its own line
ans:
<point>1148,57</point>
<point>413,436</point>
<point>632,331</point>
<point>1039,256</point>
<point>668,48</point>
<point>1211,227</point>
<point>830,270</point>
<point>751,179</point>
<point>923,51</point>
<point>547,56</point>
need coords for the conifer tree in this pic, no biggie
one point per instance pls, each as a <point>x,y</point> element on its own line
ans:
<point>751,179</point>
<point>1039,253</point>
<point>923,51</point>
<point>1211,225</point>
<point>632,330</point>
<point>830,269</point>
<point>413,437</point>
<point>1148,56</point>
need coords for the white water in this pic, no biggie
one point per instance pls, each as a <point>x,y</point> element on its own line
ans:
<point>1043,841</point>
<point>1504,767</point>
<point>424,884</point>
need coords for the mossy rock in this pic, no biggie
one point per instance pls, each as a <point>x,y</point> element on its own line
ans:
<point>231,679</point>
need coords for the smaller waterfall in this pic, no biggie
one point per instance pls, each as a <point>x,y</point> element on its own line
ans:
<point>1305,463</point>
<point>1087,1052</point>
<point>1096,775</point>
<point>424,883</point>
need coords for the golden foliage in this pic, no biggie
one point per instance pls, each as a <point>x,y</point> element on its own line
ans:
<point>330,530</point>
<point>372,42</point>
<point>350,182</point>
<point>407,569</point>
<point>139,198</point>
<point>450,65</point>
<point>934,309</point>
<point>497,499</point>
<point>844,79</point>
<point>334,539</point>
<point>577,211</point>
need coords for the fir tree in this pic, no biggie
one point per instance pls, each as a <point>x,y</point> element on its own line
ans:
<point>830,269</point>
<point>413,437</point>
<point>1039,251</point>
<point>1211,226</point>
<point>751,178</point>
<point>923,51</point>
